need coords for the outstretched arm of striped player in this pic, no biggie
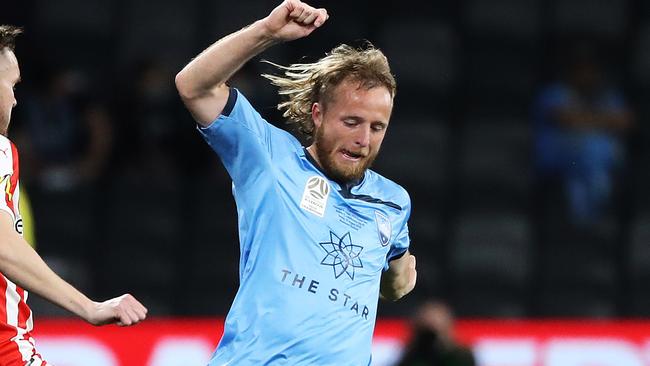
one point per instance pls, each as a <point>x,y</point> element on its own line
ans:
<point>23,266</point>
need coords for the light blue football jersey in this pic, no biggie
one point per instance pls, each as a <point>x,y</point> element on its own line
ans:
<point>312,251</point>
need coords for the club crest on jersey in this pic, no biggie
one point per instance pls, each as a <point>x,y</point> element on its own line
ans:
<point>314,197</point>
<point>384,228</point>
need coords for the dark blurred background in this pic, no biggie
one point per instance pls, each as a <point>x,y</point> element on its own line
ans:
<point>519,130</point>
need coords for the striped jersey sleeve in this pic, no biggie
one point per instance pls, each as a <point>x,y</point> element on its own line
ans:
<point>9,173</point>
<point>16,320</point>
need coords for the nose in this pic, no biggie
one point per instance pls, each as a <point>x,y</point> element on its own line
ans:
<point>362,137</point>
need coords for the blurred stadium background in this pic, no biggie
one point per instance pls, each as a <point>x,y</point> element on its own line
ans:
<point>127,197</point>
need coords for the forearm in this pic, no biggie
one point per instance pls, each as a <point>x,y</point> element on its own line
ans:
<point>23,266</point>
<point>201,84</point>
<point>214,66</point>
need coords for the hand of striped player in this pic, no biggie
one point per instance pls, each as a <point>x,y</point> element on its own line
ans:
<point>123,311</point>
<point>293,19</point>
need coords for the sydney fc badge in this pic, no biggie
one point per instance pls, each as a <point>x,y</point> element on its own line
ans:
<point>383,227</point>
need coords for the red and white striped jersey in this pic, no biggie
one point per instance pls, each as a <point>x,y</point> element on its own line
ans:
<point>16,320</point>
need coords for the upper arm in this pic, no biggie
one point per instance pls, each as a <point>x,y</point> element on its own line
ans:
<point>206,106</point>
<point>398,262</point>
<point>6,224</point>
<point>8,235</point>
<point>243,140</point>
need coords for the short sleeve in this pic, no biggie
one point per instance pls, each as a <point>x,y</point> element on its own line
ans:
<point>402,240</point>
<point>8,176</point>
<point>244,141</point>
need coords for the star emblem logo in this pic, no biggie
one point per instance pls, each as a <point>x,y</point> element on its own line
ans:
<point>342,255</point>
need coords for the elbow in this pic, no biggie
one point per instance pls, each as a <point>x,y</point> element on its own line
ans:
<point>182,86</point>
<point>187,88</point>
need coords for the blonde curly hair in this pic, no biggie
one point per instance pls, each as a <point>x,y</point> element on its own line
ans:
<point>306,83</point>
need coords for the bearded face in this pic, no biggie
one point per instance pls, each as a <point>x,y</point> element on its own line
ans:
<point>341,164</point>
<point>350,129</point>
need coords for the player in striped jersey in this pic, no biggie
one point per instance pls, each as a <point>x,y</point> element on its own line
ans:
<point>20,266</point>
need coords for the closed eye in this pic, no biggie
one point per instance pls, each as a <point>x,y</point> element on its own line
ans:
<point>351,122</point>
<point>378,127</point>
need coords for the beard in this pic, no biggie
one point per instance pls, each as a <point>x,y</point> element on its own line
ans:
<point>342,173</point>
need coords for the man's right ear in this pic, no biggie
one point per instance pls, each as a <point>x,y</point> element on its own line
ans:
<point>317,114</point>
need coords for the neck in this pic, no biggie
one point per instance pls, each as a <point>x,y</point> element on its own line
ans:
<point>312,152</point>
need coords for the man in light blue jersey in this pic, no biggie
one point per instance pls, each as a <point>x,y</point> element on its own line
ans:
<point>321,235</point>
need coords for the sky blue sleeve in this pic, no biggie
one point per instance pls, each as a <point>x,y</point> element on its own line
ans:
<point>243,140</point>
<point>401,243</point>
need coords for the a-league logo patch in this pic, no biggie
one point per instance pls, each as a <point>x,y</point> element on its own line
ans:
<point>384,228</point>
<point>314,197</point>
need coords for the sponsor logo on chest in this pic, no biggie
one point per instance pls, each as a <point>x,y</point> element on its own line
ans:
<point>315,195</point>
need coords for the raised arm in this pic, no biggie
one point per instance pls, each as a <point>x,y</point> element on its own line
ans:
<point>201,84</point>
<point>23,266</point>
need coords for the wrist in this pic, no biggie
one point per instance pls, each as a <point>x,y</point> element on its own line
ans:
<point>88,308</point>
<point>267,37</point>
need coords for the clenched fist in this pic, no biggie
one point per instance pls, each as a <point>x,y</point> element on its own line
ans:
<point>293,19</point>
<point>124,310</point>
